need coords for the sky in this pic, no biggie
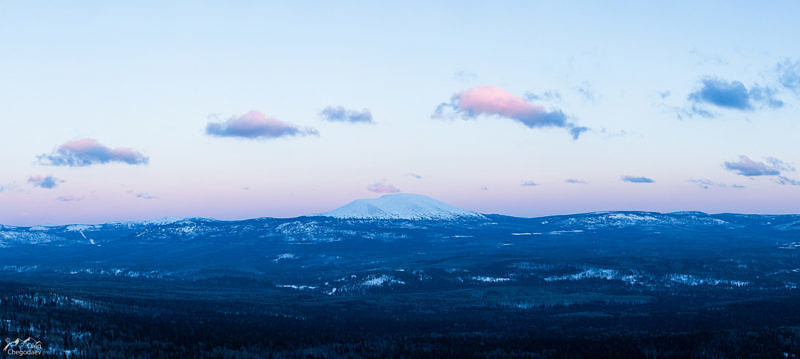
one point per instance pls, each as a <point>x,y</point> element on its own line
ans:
<point>116,111</point>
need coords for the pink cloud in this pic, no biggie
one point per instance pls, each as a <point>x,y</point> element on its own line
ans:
<point>88,151</point>
<point>382,188</point>
<point>255,124</point>
<point>494,101</point>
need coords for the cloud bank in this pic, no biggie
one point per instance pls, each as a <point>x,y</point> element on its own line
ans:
<point>46,182</point>
<point>636,179</point>
<point>494,101</point>
<point>255,125</point>
<point>382,187</point>
<point>87,152</point>
<point>341,114</point>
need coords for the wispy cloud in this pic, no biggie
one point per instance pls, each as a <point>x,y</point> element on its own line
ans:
<point>464,76</point>
<point>529,184</point>
<point>789,74</point>
<point>787,181</point>
<point>494,101</point>
<point>46,182</point>
<point>747,167</point>
<point>9,187</point>
<point>141,195</point>
<point>636,179</point>
<point>70,198</point>
<point>705,183</point>
<point>382,187</point>
<point>575,181</point>
<point>550,95</point>
<point>708,184</point>
<point>587,92</point>
<point>87,152</point>
<point>145,196</point>
<point>414,175</point>
<point>255,125</point>
<point>779,165</point>
<point>341,114</point>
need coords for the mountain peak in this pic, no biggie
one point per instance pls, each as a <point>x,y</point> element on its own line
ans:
<point>400,206</point>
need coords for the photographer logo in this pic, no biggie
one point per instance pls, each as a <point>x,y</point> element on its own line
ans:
<point>21,348</point>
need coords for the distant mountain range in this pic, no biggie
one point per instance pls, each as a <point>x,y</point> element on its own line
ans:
<point>409,242</point>
<point>400,206</point>
<point>416,207</point>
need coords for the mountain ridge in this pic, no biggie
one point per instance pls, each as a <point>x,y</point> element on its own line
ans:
<point>400,206</point>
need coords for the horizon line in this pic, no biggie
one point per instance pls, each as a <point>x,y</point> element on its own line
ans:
<point>178,218</point>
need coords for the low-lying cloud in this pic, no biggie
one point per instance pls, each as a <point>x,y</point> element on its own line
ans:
<point>70,198</point>
<point>341,114</point>
<point>255,125</point>
<point>87,152</point>
<point>636,179</point>
<point>382,187</point>
<point>494,101</point>
<point>705,183</point>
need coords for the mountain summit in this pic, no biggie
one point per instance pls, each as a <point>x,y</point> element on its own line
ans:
<point>400,206</point>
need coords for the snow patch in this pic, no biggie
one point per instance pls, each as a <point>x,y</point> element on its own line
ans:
<point>381,280</point>
<point>487,279</point>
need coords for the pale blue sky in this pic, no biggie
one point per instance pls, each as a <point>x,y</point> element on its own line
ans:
<point>151,75</point>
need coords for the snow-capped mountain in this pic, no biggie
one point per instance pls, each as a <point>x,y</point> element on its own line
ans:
<point>400,206</point>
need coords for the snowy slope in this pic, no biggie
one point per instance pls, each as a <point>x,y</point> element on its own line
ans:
<point>400,206</point>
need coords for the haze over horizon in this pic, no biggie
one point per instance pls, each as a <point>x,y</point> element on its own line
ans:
<point>344,211</point>
<point>116,112</point>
